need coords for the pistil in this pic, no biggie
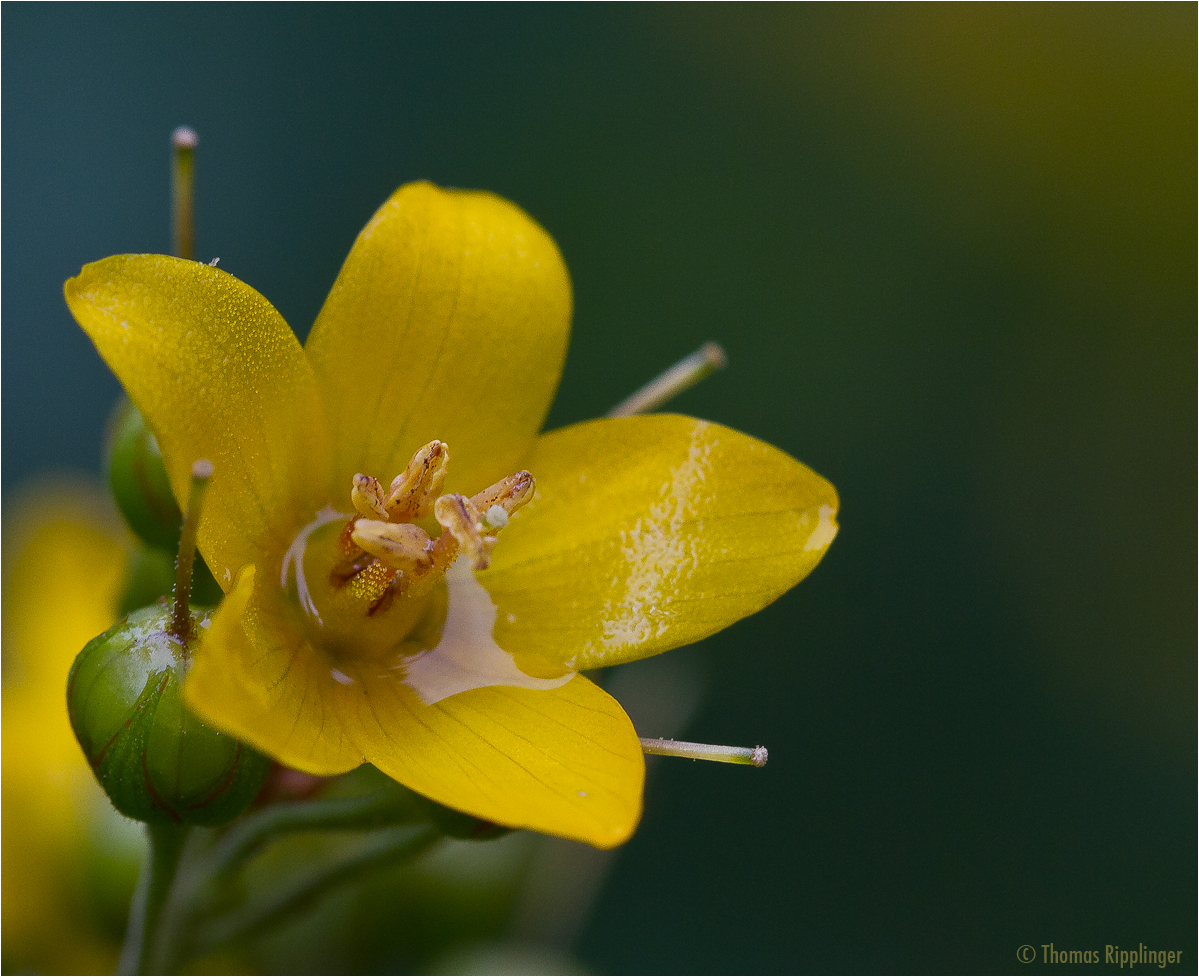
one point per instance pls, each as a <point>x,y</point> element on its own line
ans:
<point>181,619</point>
<point>687,372</point>
<point>755,755</point>
<point>183,147</point>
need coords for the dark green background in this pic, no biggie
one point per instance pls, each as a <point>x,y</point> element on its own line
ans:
<point>951,252</point>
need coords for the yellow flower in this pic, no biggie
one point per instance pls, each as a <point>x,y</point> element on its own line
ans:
<point>53,605</point>
<point>342,637</point>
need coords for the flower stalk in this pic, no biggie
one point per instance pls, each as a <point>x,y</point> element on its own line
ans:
<point>359,812</point>
<point>142,952</point>
<point>388,846</point>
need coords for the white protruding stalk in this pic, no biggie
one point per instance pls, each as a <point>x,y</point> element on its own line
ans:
<point>751,755</point>
<point>183,153</point>
<point>685,373</point>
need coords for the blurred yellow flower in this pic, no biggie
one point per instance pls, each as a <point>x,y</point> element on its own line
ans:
<point>65,558</point>
<point>348,632</point>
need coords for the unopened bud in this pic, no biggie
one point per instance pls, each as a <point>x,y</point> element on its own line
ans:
<point>156,761</point>
<point>139,480</point>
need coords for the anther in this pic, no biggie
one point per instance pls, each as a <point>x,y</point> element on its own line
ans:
<point>473,522</point>
<point>755,755</point>
<point>383,555</point>
<point>509,493</point>
<point>459,517</point>
<point>367,496</point>
<point>400,545</point>
<point>413,491</point>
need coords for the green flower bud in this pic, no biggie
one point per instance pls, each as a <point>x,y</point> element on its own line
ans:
<point>156,761</point>
<point>143,494</point>
<point>151,575</point>
<point>139,481</point>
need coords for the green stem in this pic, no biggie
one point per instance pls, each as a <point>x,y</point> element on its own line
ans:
<point>140,953</point>
<point>386,847</point>
<point>360,812</point>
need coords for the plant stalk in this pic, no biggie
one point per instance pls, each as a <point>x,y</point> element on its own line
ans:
<point>141,953</point>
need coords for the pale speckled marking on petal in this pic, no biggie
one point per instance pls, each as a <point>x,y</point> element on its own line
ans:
<point>825,531</point>
<point>658,554</point>
<point>563,567</point>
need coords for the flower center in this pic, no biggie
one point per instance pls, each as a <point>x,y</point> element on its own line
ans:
<point>383,570</point>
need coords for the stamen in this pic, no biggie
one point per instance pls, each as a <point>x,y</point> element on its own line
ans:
<point>400,545</point>
<point>702,751</point>
<point>458,516</point>
<point>183,144</point>
<point>509,493</point>
<point>413,491</point>
<point>181,619</point>
<point>383,555</point>
<point>685,373</point>
<point>367,496</point>
<point>443,552</point>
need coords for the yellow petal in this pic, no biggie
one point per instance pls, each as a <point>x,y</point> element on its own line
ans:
<point>257,678</point>
<point>556,755</point>
<point>651,532</point>
<point>217,374</point>
<point>449,320</point>
<point>562,761</point>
